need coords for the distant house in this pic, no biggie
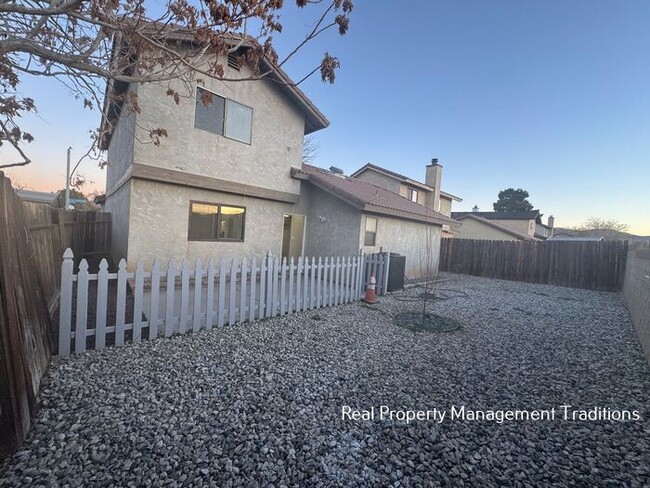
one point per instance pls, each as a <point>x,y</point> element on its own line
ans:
<point>564,237</point>
<point>428,193</point>
<point>475,227</point>
<point>38,197</point>
<point>523,223</point>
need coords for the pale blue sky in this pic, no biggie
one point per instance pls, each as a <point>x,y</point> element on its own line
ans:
<point>553,97</point>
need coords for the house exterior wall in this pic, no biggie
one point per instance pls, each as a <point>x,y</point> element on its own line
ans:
<point>118,205</point>
<point>445,206</point>
<point>120,149</point>
<point>381,180</point>
<point>408,238</point>
<point>332,225</point>
<point>473,229</point>
<point>159,222</point>
<point>276,141</point>
<point>422,194</point>
<point>521,226</point>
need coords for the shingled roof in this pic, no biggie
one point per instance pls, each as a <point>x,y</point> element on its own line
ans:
<point>534,214</point>
<point>368,197</point>
<point>494,225</point>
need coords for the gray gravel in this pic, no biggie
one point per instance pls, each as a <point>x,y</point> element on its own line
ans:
<point>260,405</point>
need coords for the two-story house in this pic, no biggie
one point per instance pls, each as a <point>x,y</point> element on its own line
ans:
<point>428,193</point>
<point>228,179</point>
<point>503,225</point>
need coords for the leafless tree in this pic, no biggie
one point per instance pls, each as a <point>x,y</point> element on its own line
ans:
<point>309,149</point>
<point>86,43</point>
<point>595,223</point>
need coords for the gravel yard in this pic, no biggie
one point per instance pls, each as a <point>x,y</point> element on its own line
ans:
<point>261,404</point>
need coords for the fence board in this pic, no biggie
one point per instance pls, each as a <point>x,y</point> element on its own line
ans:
<point>198,290</point>
<point>209,300</point>
<point>102,299</point>
<point>155,300</point>
<point>169,298</point>
<point>590,265</point>
<point>120,306</point>
<point>137,302</point>
<point>82,307</point>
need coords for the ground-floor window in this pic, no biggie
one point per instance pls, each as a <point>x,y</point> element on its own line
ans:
<point>216,222</point>
<point>370,235</point>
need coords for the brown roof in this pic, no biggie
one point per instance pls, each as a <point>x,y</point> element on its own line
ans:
<point>368,197</point>
<point>402,178</point>
<point>494,225</point>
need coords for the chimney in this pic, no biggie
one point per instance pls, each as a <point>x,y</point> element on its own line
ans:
<point>432,179</point>
<point>475,209</point>
<point>551,224</point>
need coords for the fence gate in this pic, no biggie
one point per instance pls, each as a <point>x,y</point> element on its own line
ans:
<point>110,308</point>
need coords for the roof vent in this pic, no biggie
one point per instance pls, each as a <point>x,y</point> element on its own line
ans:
<point>233,61</point>
<point>336,171</point>
<point>475,209</point>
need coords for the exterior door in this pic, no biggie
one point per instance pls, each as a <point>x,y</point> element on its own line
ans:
<point>293,236</point>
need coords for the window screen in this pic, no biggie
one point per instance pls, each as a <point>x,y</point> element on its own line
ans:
<point>238,121</point>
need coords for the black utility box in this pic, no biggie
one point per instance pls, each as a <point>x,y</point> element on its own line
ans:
<point>396,272</point>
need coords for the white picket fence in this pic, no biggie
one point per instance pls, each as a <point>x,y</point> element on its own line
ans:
<point>193,297</point>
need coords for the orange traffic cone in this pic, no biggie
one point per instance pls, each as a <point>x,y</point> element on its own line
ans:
<point>371,296</point>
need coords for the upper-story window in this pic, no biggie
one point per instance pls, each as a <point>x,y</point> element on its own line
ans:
<point>412,194</point>
<point>223,116</point>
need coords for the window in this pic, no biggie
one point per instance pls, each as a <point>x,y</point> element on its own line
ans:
<point>412,195</point>
<point>370,235</point>
<point>223,116</point>
<point>213,222</point>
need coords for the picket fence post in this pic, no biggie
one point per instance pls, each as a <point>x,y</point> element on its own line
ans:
<point>155,300</point>
<point>222,292</point>
<point>283,286</point>
<point>251,310</point>
<point>209,304</point>
<point>169,298</point>
<point>198,290</point>
<point>137,302</point>
<point>242,291</point>
<point>82,307</point>
<point>232,304</point>
<point>102,298</point>
<point>65,307</point>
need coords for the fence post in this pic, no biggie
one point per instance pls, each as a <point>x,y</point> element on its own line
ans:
<point>169,298</point>
<point>82,307</point>
<point>198,290</point>
<point>185,292</point>
<point>138,292</point>
<point>386,271</point>
<point>120,306</point>
<point>102,298</point>
<point>65,304</point>
<point>253,301</point>
<point>155,300</point>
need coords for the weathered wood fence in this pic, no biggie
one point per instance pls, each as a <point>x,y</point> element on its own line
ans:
<point>53,230</point>
<point>162,302</point>
<point>590,265</point>
<point>26,338</point>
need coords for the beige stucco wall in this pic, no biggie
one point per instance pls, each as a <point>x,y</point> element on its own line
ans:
<point>408,238</point>
<point>422,195</point>
<point>277,133</point>
<point>473,229</point>
<point>380,180</point>
<point>521,226</point>
<point>159,221</point>
<point>445,206</point>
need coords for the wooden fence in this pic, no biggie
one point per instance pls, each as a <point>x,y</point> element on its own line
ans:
<point>106,310</point>
<point>590,265</point>
<point>52,230</point>
<point>26,338</point>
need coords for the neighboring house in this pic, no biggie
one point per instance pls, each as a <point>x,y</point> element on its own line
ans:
<point>229,181</point>
<point>427,193</point>
<point>346,214</point>
<point>37,197</point>
<point>563,237</point>
<point>475,227</point>
<point>525,223</point>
